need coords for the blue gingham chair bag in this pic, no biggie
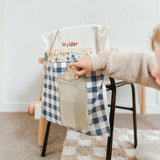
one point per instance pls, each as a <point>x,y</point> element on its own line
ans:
<point>97,107</point>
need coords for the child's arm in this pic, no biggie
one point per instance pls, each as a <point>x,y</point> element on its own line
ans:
<point>131,67</point>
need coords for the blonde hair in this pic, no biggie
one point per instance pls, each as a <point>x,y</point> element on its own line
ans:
<point>155,37</point>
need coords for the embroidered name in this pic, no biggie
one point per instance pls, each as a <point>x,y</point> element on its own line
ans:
<point>69,44</point>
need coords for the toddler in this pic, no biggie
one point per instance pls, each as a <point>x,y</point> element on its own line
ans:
<point>141,68</point>
<point>132,67</point>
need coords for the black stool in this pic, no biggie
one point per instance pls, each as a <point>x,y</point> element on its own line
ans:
<point>113,87</point>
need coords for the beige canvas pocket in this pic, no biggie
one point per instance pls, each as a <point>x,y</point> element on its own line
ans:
<point>73,103</point>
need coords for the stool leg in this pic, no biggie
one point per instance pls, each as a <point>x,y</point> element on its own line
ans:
<point>45,140</point>
<point>134,115</point>
<point>112,113</point>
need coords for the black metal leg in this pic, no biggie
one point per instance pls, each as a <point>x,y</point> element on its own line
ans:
<point>45,140</point>
<point>134,115</point>
<point>112,113</point>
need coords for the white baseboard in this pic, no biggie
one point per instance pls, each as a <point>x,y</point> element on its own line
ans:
<point>127,111</point>
<point>150,109</point>
<point>14,107</point>
<point>153,109</point>
<point>23,107</point>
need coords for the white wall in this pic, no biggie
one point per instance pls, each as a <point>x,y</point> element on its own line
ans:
<point>131,23</point>
<point>2,30</point>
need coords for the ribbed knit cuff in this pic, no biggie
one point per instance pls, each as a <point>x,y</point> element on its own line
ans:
<point>98,62</point>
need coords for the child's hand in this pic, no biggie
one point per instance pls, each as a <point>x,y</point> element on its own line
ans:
<point>84,65</point>
<point>156,71</point>
<point>156,74</point>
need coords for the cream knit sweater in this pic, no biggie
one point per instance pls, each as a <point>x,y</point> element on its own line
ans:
<point>130,67</point>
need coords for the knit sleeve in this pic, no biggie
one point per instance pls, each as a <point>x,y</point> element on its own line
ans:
<point>129,66</point>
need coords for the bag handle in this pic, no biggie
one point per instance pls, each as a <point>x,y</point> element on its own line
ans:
<point>40,97</point>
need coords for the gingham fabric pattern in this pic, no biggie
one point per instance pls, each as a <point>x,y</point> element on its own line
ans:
<point>97,112</point>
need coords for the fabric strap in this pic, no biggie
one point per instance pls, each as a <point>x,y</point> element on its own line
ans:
<point>40,97</point>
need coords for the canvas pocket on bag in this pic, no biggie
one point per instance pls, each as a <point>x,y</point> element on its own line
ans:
<point>73,103</point>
